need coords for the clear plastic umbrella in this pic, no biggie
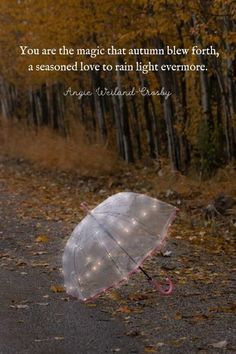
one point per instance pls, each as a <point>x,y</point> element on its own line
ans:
<point>112,242</point>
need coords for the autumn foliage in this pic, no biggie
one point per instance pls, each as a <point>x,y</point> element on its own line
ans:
<point>194,128</point>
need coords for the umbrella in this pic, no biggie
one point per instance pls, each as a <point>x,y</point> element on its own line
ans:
<point>113,241</point>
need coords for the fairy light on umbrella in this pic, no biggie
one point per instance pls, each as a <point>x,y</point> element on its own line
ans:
<point>113,241</point>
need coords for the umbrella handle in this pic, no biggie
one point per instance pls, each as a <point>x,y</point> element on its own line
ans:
<point>160,289</point>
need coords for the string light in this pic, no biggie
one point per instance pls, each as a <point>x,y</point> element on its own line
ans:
<point>88,259</point>
<point>134,222</point>
<point>144,213</point>
<point>127,230</point>
<point>67,286</point>
<point>94,268</point>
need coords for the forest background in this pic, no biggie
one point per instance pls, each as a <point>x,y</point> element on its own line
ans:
<point>193,131</point>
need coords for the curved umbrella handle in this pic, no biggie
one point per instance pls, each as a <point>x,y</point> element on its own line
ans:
<point>160,289</point>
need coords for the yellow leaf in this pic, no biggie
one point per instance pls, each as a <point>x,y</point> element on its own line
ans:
<point>124,309</point>
<point>42,238</point>
<point>114,295</point>
<point>40,264</point>
<point>138,297</point>
<point>150,349</point>
<point>57,288</point>
<point>177,316</point>
<point>91,305</point>
<point>199,318</point>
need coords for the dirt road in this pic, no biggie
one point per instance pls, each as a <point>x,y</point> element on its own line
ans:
<point>38,211</point>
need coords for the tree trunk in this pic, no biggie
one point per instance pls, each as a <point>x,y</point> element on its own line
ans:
<point>124,119</point>
<point>98,107</point>
<point>166,80</point>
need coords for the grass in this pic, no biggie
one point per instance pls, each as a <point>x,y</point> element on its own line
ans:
<point>48,149</point>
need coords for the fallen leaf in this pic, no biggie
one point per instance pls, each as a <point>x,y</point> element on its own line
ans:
<point>228,309</point>
<point>177,316</point>
<point>39,253</point>
<point>127,318</point>
<point>138,310</point>
<point>20,263</point>
<point>133,333</point>
<point>20,306</point>
<point>65,298</point>
<point>40,264</point>
<point>57,288</point>
<point>41,340</point>
<point>160,344</point>
<point>138,297</point>
<point>42,238</point>
<point>221,345</point>
<point>166,253</point>
<point>91,305</point>
<point>115,350</point>
<point>150,349</point>
<point>124,309</point>
<point>4,255</point>
<point>42,303</point>
<point>199,318</point>
<point>178,342</point>
<point>114,295</point>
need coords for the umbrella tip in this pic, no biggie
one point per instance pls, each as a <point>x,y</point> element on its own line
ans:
<point>84,207</point>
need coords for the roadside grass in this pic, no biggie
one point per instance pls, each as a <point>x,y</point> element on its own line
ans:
<point>48,149</point>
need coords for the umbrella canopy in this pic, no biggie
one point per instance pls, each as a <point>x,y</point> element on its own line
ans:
<point>112,241</point>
